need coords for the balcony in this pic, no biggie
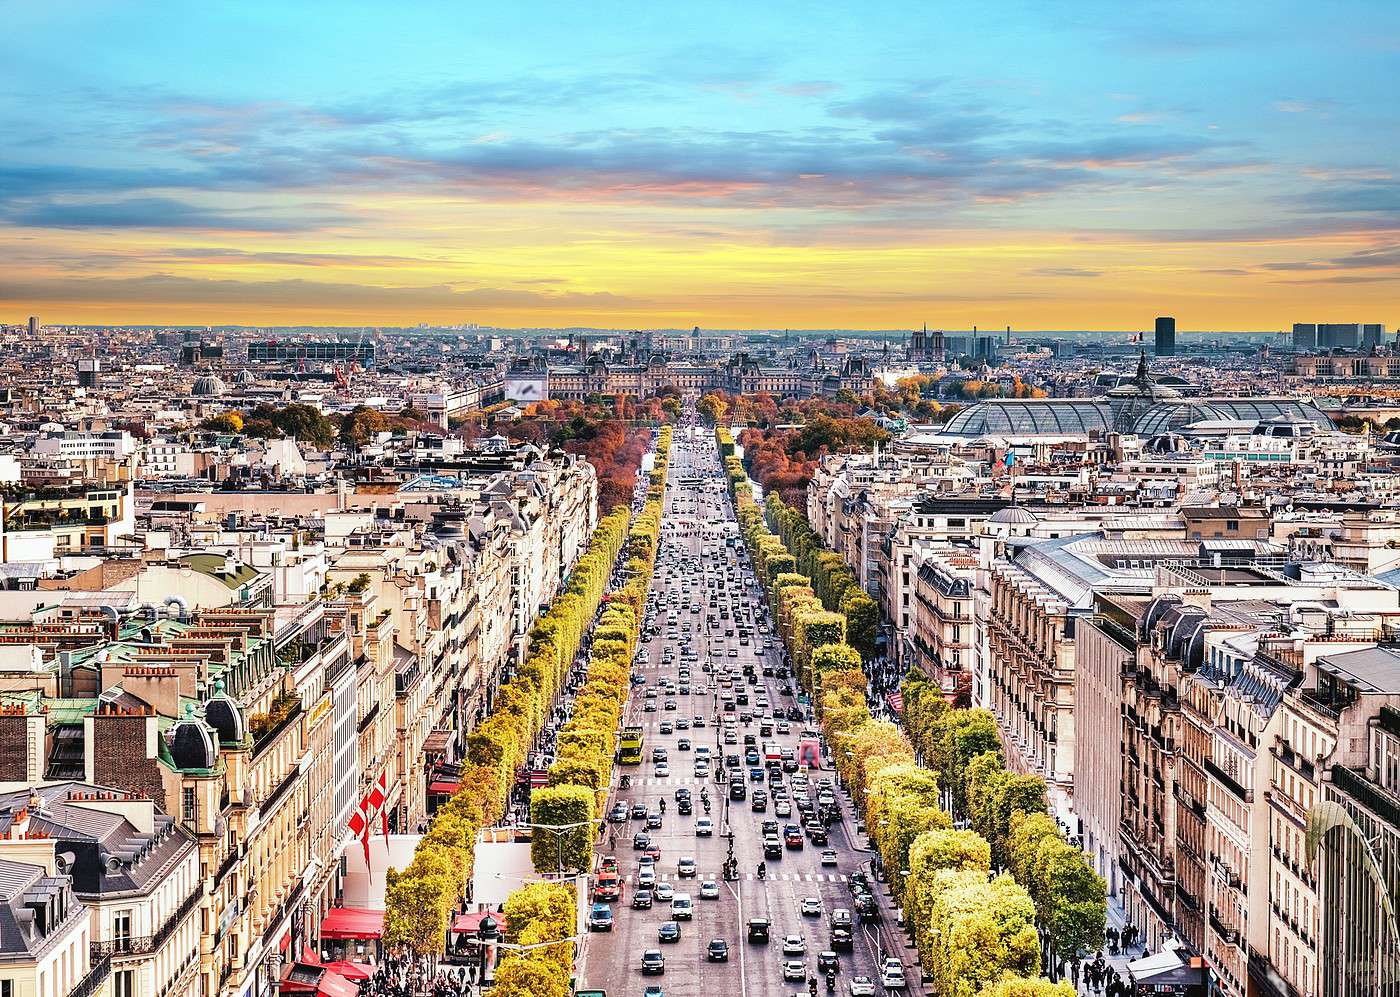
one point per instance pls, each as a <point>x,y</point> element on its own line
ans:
<point>1229,934</point>
<point>92,982</point>
<point>146,944</point>
<point>1226,780</point>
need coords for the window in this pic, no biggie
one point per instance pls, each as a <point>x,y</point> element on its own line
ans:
<point>188,803</point>
<point>121,930</point>
<point>124,983</point>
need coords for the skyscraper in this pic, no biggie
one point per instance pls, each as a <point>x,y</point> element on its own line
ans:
<point>1166,336</point>
<point>34,325</point>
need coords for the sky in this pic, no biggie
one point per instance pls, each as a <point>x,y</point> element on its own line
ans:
<point>1039,164</point>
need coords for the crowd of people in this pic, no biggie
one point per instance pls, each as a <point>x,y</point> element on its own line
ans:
<point>413,977</point>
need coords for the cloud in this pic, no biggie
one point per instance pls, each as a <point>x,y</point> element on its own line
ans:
<point>1063,272</point>
<point>153,212</point>
<point>167,289</point>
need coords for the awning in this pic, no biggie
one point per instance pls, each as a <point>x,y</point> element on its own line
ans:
<point>352,922</point>
<point>307,979</point>
<point>436,742</point>
<point>351,970</point>
<point>443,786</point>
<point>468,922</point>
<point>896,701</point>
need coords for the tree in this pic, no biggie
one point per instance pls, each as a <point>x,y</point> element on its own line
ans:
<point>979,931</point>
<point>1019,986</point>
<point>360,425</point>
<point>557,806</point>
<point>224,422</point>
<point>713,408</point>
<point>862,623</point>
<point>934,852</point>
<point>417,902</point>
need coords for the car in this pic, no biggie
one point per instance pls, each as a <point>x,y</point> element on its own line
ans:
<point>783,808</point>
<point>664,892</point>
<point>639,811</point>
<point>811,907</point>
<point>641,900</point>
<point>653,820</point>
<point>670,704</point>
<point>704,827</point>
<point>794,945</point>
<point>669,931</point>
<point>653,963</point>
<point>685,808</point>
<point>646,876</point>
<point>841,939</point>
<point>758,930</point>
<point>653,991</point>
<point>697,721</point>
<point>709,890</point>
<point>717,950</point>
<point>772,847</point>
<point>892,975</point>
<point>661,770</point>
<point>732,652</point>
<point>794,969</point>
<point>682,907</point>
<point>607,888</point>
<point>641,841</point>
<point>862,986</point>
<point>685,868</point>
<point>828,962</point>
<point>683,744</point>
<point>667,728</point>
<point>618,814</point>
<point>600,918</point>
<point>828,856</point>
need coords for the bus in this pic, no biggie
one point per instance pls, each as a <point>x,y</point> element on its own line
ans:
<point>630,747</point>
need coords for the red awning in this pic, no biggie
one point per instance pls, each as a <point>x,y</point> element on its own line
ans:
<point>351,970</point>
<point>896,701</point>
<point>307,979</point>
<point>444,787</point>
<point>468,922</point>
<point>352,922</point>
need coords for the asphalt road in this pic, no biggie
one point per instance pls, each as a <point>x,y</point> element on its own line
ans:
<point>694,524</point>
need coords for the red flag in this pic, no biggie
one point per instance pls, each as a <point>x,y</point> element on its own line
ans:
<point>376,792</point>
<point>357,823</point>
<point>364,843</point>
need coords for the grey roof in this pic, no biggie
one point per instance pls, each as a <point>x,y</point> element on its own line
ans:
<point>1079,416</point>
<point>1370,669</point>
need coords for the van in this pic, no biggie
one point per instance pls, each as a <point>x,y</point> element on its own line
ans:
<point>682,907</point>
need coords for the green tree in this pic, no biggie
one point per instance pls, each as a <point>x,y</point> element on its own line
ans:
<point>557,806</point>
<point>360,424</point>
<point>1019,986</point>
<point>979,931</point>
<point>862,622</point>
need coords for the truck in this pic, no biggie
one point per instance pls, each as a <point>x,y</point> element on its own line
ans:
<point>630,746</point>
<point>772,755</point>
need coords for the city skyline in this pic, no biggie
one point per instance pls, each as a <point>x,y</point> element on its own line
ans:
<point>853,166</point>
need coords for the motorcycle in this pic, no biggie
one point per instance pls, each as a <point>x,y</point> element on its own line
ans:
<point>830,982</point>
<point>626,782</point>
<point>762,871</point>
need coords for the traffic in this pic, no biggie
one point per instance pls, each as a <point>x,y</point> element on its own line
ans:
<point>731,863</point>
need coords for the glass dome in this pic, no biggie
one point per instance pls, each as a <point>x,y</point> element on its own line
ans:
<point>1031,417</point>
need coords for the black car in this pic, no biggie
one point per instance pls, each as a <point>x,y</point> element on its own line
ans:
<point>758,930</point>
<point>682,793</point>
<point>669,931</point>
<point>639,811</point>
<point>641,841</point>
<point>685,809</point>
<point>841,939</point>
<point>641,900</point>
<point>828,961</point>
<point>738,790</point>
<point>772,848</point>
<point>653,963</point>
<point>717,950</point>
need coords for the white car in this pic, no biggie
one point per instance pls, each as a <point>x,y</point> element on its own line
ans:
<point>704,827</point>
<point>662,770</point>
<point>862,986</point>
<point>811,907</point>
<point>709,890</point>
<point>794,945</point>
<point>783,808</point>
<point>663,891</point>
<point>796,969</point>
<point>892,975</point>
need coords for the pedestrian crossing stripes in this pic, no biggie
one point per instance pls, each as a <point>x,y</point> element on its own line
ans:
<point>772,877</point>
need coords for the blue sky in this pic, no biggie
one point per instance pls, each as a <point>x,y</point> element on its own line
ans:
<point>1038,164</point>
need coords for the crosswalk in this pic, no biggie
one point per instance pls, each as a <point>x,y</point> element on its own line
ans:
<point>772,877</point>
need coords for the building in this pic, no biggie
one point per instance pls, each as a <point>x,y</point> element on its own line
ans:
<point>298,351</point>
<point>1165,337</point>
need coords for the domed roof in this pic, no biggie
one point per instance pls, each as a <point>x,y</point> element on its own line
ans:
<point>1131,400</point>
<point>1168,417</point>
<point>243,377</point>
<point>1014,515</point>
<point>191,743</point>
<point>223,715</point>
<point>209,385</point>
